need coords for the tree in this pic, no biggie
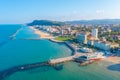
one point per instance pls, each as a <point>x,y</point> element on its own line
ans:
<point>111,39</point>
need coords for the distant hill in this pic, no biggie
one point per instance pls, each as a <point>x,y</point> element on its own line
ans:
<point>102,21</point>
<point>46,22</point>
<point>57,23</point>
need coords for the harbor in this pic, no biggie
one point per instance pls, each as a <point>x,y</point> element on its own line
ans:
<point>52,63</point>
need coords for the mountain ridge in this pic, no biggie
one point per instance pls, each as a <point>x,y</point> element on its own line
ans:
<point>46,22</point>
<point>95,21</point>
<point>59,23</point>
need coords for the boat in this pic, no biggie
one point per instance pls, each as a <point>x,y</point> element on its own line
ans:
<point>81,59</point>
<point>85,50</point>
<point>95,56</point>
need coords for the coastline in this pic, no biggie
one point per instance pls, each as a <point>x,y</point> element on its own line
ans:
<point>67,44</point>
<point>113,60</point>
<point>8,72</point>
<point>42,34</point>
<point>69,66</point>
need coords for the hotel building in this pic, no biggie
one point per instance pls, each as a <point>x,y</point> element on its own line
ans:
<point>95,33</point>
<point>82,38</point>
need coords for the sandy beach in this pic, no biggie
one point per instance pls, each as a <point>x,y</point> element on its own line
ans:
<point>114,60</point>
<point>42,34</point>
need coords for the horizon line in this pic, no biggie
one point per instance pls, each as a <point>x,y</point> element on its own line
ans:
<point>65,20</point>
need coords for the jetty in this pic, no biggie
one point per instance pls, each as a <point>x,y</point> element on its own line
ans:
<point>51,63</point>
<point>12,70</point>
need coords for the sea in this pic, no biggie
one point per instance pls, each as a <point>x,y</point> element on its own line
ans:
<point>19,45</point>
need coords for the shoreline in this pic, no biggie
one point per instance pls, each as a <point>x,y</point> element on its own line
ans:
<point>42,34</point>
<point>113,60</point>
<point>67,44</point>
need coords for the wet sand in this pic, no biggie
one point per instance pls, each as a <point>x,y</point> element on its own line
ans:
<point>42,34</point>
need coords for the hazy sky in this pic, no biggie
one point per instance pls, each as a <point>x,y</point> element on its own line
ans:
<point>23,11</point>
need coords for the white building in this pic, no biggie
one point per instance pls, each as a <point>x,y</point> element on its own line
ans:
<point>95,33</point>
<point>102,45</point>
<point>62,32</point>
<point>69,29</point>
<point>91,42</point>
<point>105,45</point>
<point>82,38</point>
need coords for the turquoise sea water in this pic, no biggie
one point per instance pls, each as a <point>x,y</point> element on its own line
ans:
<point>21,51</point>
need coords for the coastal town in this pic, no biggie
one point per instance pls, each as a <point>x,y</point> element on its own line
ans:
<point>60,40</point>
<point>87,46</point>
<point>98,42</point>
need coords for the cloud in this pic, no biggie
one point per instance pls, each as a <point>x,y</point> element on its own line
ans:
<point>100,11</point>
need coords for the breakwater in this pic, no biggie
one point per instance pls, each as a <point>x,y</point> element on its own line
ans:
<point>10,71</point>
<point>3,42</point>
<point>15,33</point>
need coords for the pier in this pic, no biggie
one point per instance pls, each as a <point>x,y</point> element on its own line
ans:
<point>51,63</point>
<point>65,59</point>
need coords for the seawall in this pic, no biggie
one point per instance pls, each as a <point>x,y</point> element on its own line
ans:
<point>72,48</point>
<point>66,43</point>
